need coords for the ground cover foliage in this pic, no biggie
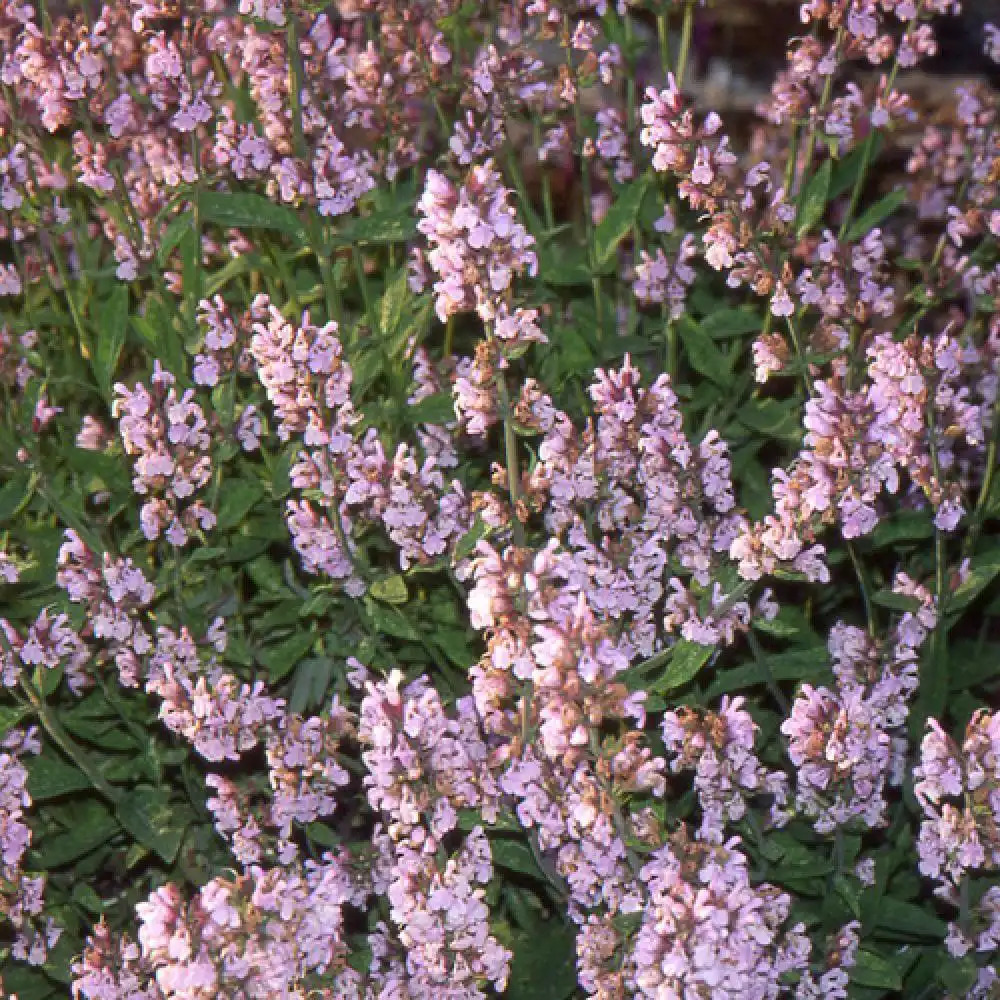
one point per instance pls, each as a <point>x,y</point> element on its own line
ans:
<point>471,526</point>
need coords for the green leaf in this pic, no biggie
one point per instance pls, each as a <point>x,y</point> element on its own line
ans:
<point>984,569</point>
<point>811,664</point>
<point>958,975</point>
<point>726,323</point>
<point>903,526</point>
<point>621,217</point>
<point>172,236</point>
<point>772,419</point>
<point>26,982</point>
<point>10,716</point>
<point>312,678</point>
<point>245,264</point>
<point>111,323</point>
<point>849,168</point>
<point>239,496</point>
<point>455,644</point>
<point>391,590</point>
<point>90,826</point>
<point>686,660</point>
<point>886,598</point>
<point>245,210</point>
<point>438,408</point>
<point>392,307</point>
<point>156,822</point>
<point>16,493</point>
<point>814,198</point>
<point>515,855</point>
<point>791,623</point>
<point>395,225</point>
<point>702,354</point>
<point>908,919</point>
<point>281,659</point>
<point>390,621</point>
<point>874,971</point>
<point>875,215</point>
<point>563,267</point>
<point>544,963</point>
<point>49,777</point>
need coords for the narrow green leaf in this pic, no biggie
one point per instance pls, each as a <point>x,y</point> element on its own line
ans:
<point>92,826</point>
<point>908,919</point>
<point>391,590</point>
<point>16,493</point>
<point>686,660</point>
<point>49,777</point>
<point>875,215</point>
<point>245,210</point>
<point>726,323</point>
<point>111,323</point>
<point>874,971</point>
<point>239,496</point>
<point>849,168</point>
<point>811,665</point>
<point>621,217</point>
<point>392,306</point>
<point>389,620</point>
<point>394,225</point>
<point>172,235</point>
<point>281,659</point>
<point>436,409</point>
<point>772,418</point>
<point>814,198</point>
<point>515,855</point>
<point>155,821</point>
<point>702,354</point>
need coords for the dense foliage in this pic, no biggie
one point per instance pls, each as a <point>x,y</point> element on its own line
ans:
<point>471,523</point>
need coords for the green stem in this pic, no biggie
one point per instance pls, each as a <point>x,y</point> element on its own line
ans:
<point>664,43</point>
<point>865,584</point>
<point>510,451</point>
<point>547,207</point>
<point>68,745</point>
<point>978,512</point>
<point>359,271</point>
<point>687,27</point>
<point>760,658</point>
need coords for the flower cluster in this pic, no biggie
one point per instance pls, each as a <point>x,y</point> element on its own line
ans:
<point>22,902</point>
<point>477,248</point>
<point>345,231</point>
<point>958,788</point>
<point>719,748</point>
<point>115,595</point>
<point>169,437</point>
<point>846,741</point>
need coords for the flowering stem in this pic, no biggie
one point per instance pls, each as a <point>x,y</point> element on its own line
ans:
<point>810,146</point>
<point>869,145</point>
